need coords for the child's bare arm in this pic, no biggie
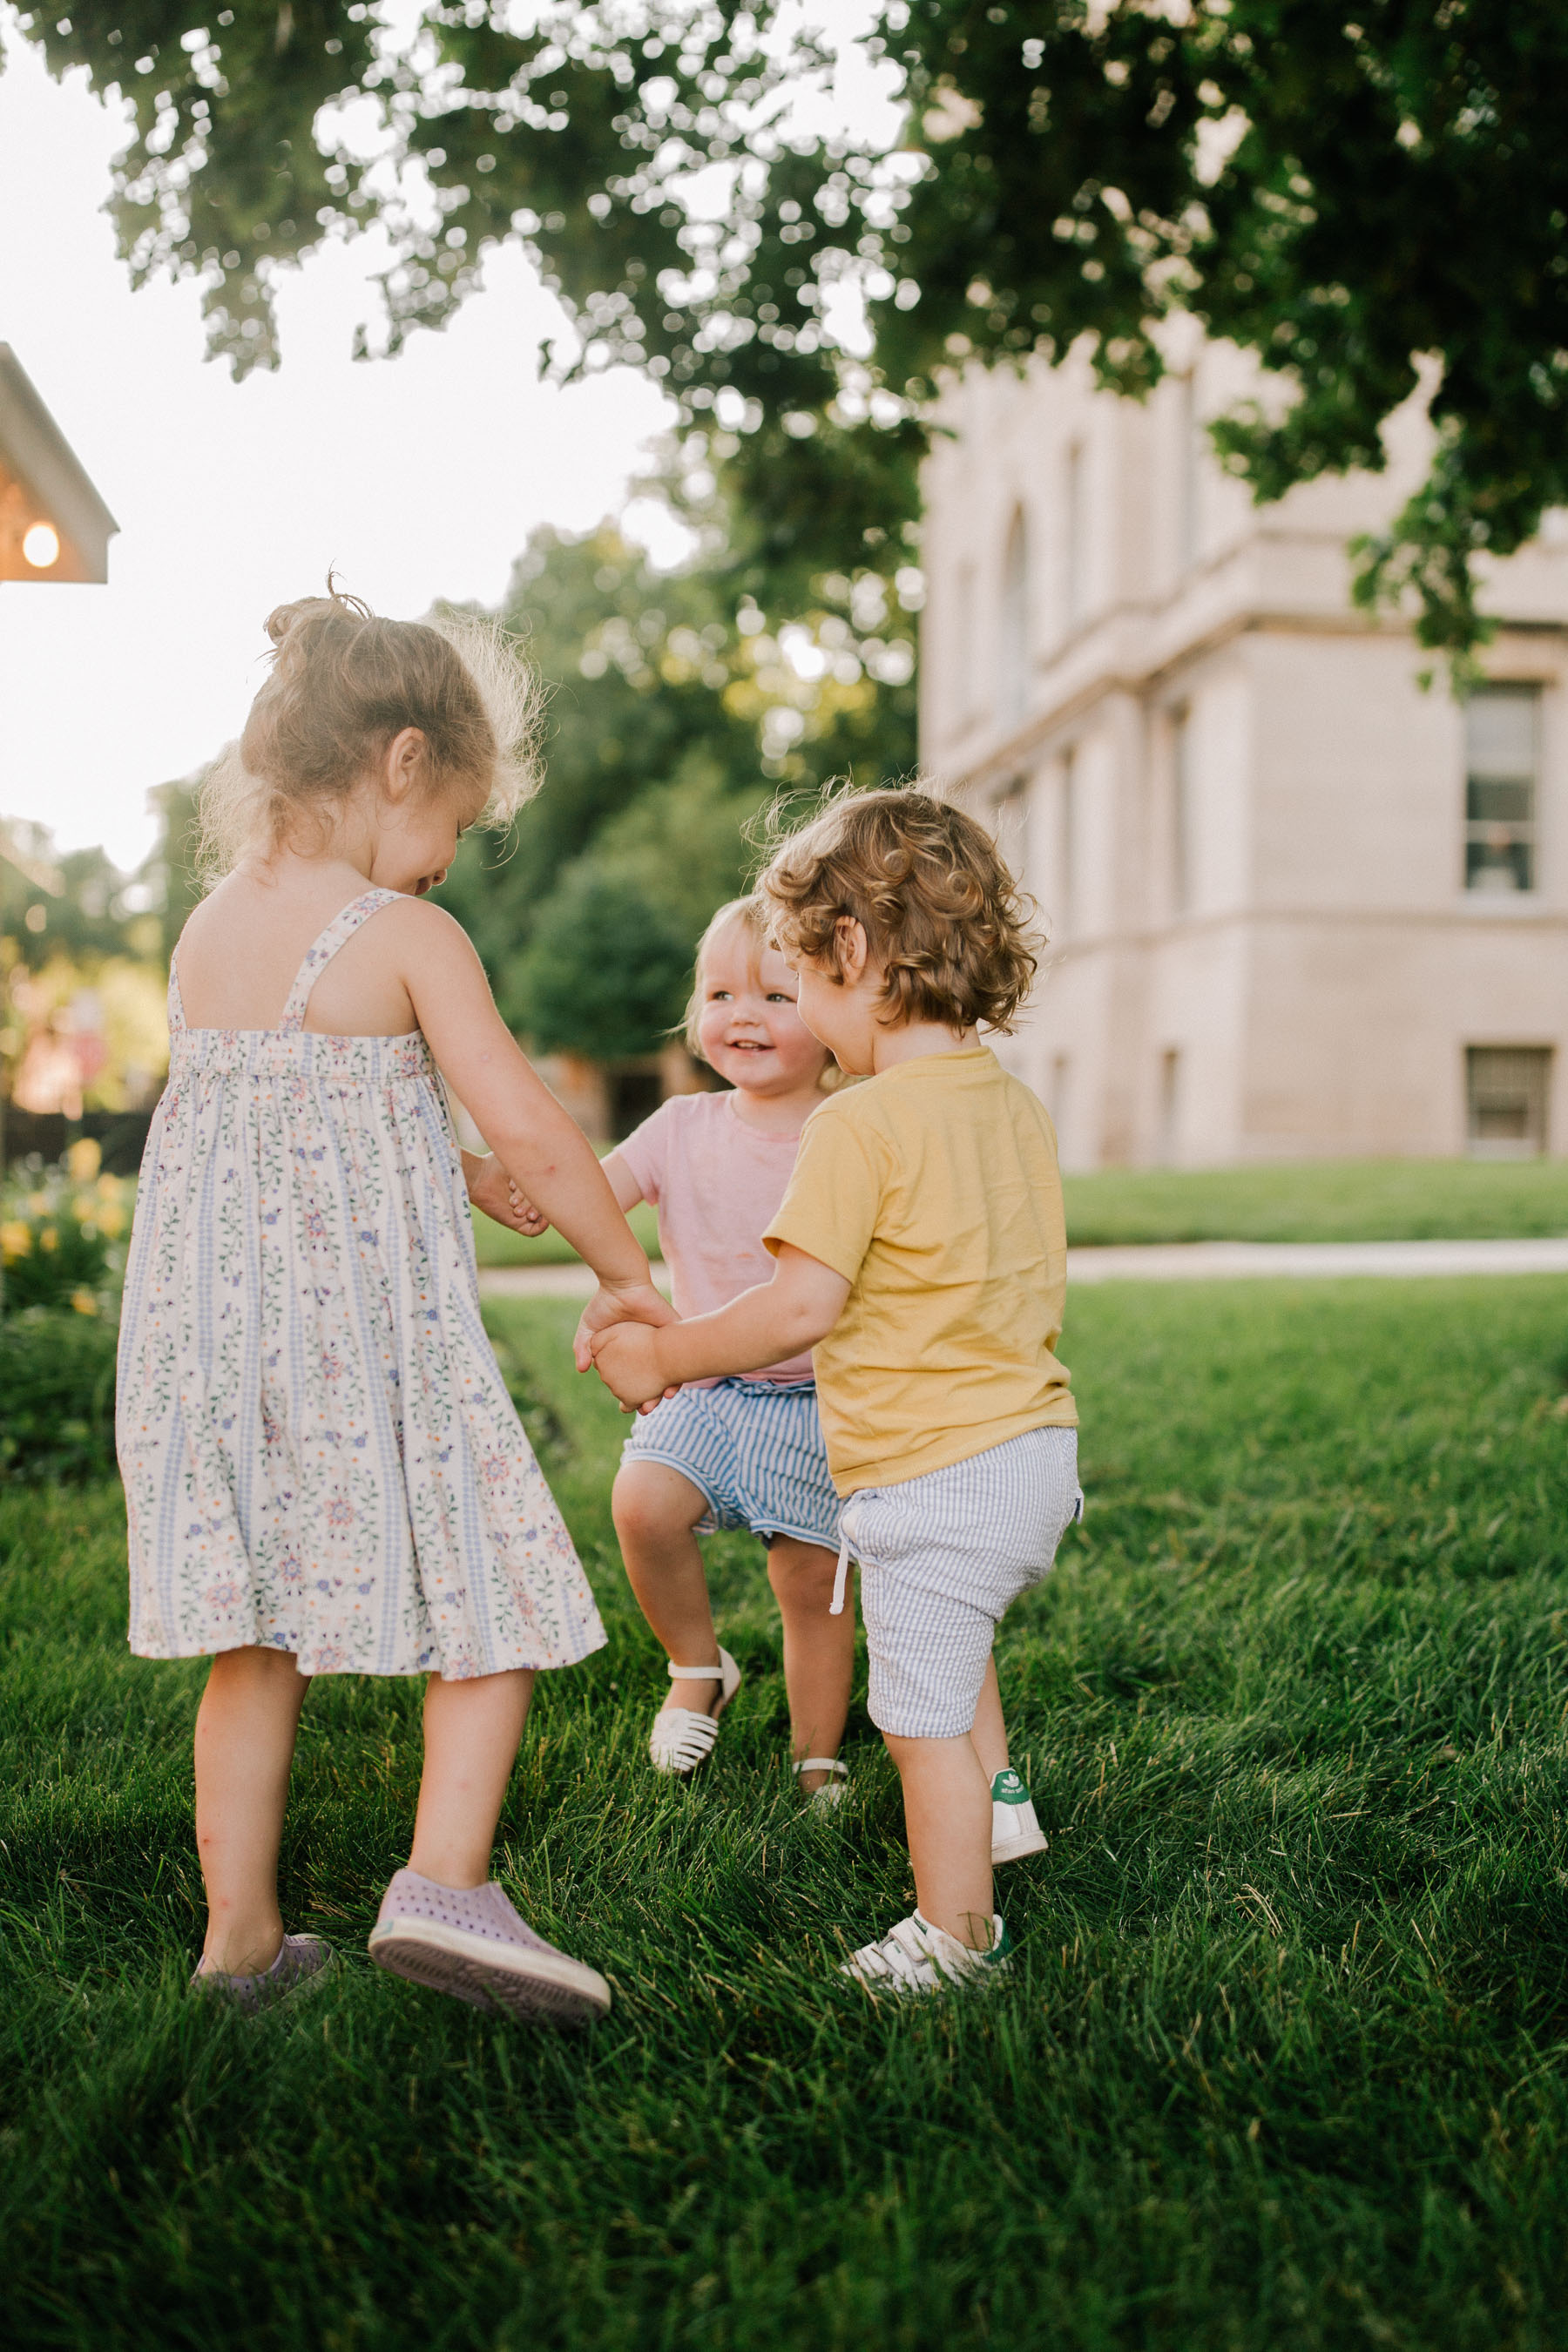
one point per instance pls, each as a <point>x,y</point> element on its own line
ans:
<point>541,1147</point>
<point>622,1182</point>
<point>777,1319</point>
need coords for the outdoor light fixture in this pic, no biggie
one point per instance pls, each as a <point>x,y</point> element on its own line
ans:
<point>53,524</point>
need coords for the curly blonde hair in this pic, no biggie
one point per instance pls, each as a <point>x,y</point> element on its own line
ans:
<point>343,683</point>
<point>942,915</point>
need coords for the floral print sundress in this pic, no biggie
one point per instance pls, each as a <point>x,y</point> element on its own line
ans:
<point>319,1451</point>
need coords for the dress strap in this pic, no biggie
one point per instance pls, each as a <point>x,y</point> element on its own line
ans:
<point>343,926</point>
<point>176,1005</point>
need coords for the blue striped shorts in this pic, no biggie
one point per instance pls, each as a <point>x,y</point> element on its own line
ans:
<point>755,1454</point>
<point>941,1557</point>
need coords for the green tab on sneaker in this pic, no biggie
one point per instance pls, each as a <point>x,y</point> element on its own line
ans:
<point>1008,1790</point>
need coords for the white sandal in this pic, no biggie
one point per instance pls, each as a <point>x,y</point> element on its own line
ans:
<point>681,1738</point>
<point>832,1792</point>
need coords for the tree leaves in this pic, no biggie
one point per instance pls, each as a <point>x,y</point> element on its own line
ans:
<point>1341,188</point>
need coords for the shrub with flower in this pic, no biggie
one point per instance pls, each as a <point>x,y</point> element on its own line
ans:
<point>62,1233</point>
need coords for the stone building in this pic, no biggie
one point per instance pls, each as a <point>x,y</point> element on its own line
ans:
<point>1298,906</point>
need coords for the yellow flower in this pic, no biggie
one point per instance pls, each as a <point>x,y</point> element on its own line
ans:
<point>48,1239</point>
<point>37,1202</point>
<point>108,1188</point>
<point>111,1219</point>
<point>83,1207</point>
<point>84,1302</point>
<point>16,1239</point>
<point>84,1159</point>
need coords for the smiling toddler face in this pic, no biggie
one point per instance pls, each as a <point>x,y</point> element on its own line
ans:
<point>747,1025</point>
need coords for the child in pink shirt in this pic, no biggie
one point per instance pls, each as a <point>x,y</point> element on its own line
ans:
<point>747,1452</point>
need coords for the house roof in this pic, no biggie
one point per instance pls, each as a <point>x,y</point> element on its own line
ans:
<point>41,480</point>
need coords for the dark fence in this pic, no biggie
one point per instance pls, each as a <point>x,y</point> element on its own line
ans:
<point>118,1134</point>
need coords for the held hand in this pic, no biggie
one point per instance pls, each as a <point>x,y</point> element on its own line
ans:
<point>626,1357</point>
<point>634,1303</point>
<point>491,1189</point>
<point>529,1220</point>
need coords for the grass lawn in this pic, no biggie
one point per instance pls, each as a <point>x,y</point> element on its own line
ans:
<point>1284,2060</point>
<point>1321,1201</point>
<point>499,1246</point>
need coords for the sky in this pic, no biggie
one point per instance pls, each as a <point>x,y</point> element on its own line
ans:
<point>415,477</point>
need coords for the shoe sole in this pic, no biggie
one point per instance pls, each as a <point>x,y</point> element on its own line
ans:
<point>1032,1842</point>
<point>508,1978</point>
<point>302,1986</point>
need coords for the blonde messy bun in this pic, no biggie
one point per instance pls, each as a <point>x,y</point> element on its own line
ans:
<point>343,683</point>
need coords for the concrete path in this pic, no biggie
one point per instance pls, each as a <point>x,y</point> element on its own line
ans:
<point>1174,1262</point>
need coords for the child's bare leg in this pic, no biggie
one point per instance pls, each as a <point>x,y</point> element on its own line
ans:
<point>246,1727</point>
<point>818,1649</point>
<point>989,1732</point>
<point>655,1511</point>
<point>471,1735</point>
<point>947,1816</point>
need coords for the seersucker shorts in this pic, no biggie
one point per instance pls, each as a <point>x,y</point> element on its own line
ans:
<point>755,1451</point>
<point>941,1557</point>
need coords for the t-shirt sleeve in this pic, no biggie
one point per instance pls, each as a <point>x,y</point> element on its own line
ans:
<point>646,1151</point>
<point>834,1196</point>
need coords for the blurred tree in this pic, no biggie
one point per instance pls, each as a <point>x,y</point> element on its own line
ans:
<point>81,977</point>
<point>166,881</point>
<point>672,718</point>
<point>1339,186</point>
<point>73,905</point>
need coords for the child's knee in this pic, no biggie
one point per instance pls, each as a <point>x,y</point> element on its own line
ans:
<point>653,1504</point>
<point>802,1575</point>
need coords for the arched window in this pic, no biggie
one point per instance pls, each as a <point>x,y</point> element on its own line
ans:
<point>1013,633</point>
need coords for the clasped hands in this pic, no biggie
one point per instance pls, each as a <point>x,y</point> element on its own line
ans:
<point>615,1337</point>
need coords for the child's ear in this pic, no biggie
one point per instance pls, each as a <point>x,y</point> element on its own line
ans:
<point>852,952</point>
<point>403,766</point>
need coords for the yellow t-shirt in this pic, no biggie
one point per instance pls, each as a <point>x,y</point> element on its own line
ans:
<point>933,1189</point>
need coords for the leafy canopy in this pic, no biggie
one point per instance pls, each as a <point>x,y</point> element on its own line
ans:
<point>1339,186</point>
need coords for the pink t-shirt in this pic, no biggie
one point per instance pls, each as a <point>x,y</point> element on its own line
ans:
<point>717,1185</point>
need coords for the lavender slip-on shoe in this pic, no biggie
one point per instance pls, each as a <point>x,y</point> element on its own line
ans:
<point>303,1962</point>
<point>470,1943</point>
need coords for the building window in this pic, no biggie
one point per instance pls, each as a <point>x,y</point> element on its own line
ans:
<point>1168,1136</point>
<point>1502,756</point>
<point>1506,1094</point>
<point>1013,632</point>
<point>1182,809</point>
<point>1067,839</point>
<point>1060,1085</point>
<point>963,640</point>
<point>1189,455</point>
<point>1010,824</point>
<point>1075,536</point>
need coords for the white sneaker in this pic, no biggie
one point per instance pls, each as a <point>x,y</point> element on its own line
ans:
<point>1014,1831</point>
<point>680,1736</point>
<point>915,1957</point>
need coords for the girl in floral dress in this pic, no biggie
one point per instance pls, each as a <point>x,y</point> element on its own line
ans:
<point>323,1471</point>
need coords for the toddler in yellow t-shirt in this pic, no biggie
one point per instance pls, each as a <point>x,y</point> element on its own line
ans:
<point>920,1252</point>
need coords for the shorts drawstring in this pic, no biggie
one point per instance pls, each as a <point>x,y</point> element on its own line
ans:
<point>841,1575</point>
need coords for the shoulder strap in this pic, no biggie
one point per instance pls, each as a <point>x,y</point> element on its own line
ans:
<point>343,926</point>
<point>176,1005</point>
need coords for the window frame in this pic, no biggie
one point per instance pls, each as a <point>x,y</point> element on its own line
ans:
<point>1497,842</point>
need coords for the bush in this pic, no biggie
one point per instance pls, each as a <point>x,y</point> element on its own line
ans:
<point>62,1234</point>
<point>607,971</point>
<point>57,1395</point>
